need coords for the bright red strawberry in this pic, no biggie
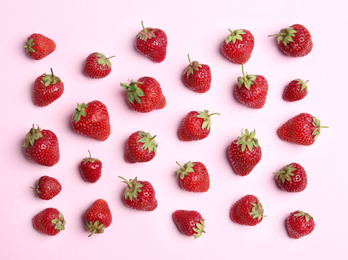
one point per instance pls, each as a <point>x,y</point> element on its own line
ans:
<point>47,88</point>
<point>42,146</point>
<point>47,187</point>
<point>91,169</point>
<point>244,153</point>
<point>299,224</point>
<point>92,120</point>
<point>197,76</point>
<point>247,211</point>
<point>139,195</point>
<point>296,90</point>
<point>251,90</point>
<point>152,43</point>
<point>49,221</point>
<point>140,147</point>
<point>97,66</point>
<point>189,222</point>
<point>195,126</point>
<point>295,41</point>
<point>302,129</point>
<point>145,95</point>
<point>238,46</point>
<point>97,217</point>
<point>291,178</point>
<point>193,176</point>
<point>39,46</point>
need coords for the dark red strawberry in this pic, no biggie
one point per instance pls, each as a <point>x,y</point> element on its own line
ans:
<point>91,169</point>
<point>47,187</point>
<point>193,176</point>
<point>97,217</point>
<point>140,147</point>
<point>299,224</point>
<point>97,66</point>
<point>247,211</point>
<point>49,221</point>
<point>189,222</point>
<point>296,90</point>
<point>39,46</point>
<point>291,178</point>
<point>92,120</point>
<point>41,146</point>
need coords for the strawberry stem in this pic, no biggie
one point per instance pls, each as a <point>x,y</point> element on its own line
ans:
<point>144,29</point>
<point>188,55</point>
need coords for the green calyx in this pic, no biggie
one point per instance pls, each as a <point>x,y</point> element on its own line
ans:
<point>103,60</point>
<point>247,139</point>
<point>285,35</point>
<point>94,228</point>
<point>234,36</point>
<point>33,135</point>
<point>80,111</point>
<point>133,188</point>
<point>257,210</point>
<point>148,141</point>
<point>192,67</point>
<point>134,92</point>
<point>285,174</point>
<point>59,223</point>
<point>48,79</point>
<point>29,45</point>
<point>247,79</point>
<point>316,124</point>
<point>303,84</point>
<point>184,170</point>
<point>206,118</point>
<point>145,33</point>
<point>199,229</point>
<point>300,213</point>
<point>89,159</point>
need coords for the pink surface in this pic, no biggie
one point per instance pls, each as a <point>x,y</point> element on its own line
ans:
<point>81,27</point>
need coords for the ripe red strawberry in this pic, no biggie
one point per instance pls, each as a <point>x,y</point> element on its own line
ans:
<point>152,43</point>
<point>302,129</point>
<point>244,153</point>
<point>92,120</point>
<point>91,169</point>
<point>97,66</point>
<point>41,146</point>
<point>39,46</point>
<point>195,126</point>
<point>295,41</point>
<point>299,224</point>
<point>296,90</point>
<point>140,147</point>
<point>197,76</point>
<point>145,95</point>
<point>247,211</point>
<point>291,178</point>
<point>139,195</point>
<point>47,187</point>
<point>238,46</point>
<point>97,217</point>
<point>49,221</point>
<point>189,222</point>
<point>251,90</point>
<point>47,88</point>
<point>193,176</point>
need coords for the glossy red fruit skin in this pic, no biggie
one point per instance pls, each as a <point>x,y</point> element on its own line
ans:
<point>298,180</point>
<point>97,217</point>
<point>39,46</point>
<point>294,92</point>
<point>240,211</point>
<point>298,227</point>
<point>186,221</point>
<point>91,170</point>
<point>42,222</point>
<point>93,69</point>
<point>135,152</point>
<point>190,128</point>
<point>200,80</point>
<point>44,95</point>
<point>196,181</point>
<point>47,187</point>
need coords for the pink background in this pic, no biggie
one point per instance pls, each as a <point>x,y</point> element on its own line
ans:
<point>198,28</point>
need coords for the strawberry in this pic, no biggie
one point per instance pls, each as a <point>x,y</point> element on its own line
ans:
<point>238,46</point>
<point>197,76</point>
<point>251,90</point>
<point>247,211</point>
<point>152,43</point>
<point>296,90</point>
<point>47,187</point>
<point>47,88</point>
<point>92,120</point>
<point>139,195</point>
<point>39,46</point>
<point>41,146</point>
<point>189,222</point>
<point>194,177</point>
<point>49,221</point>
<point>299,224</point>
<point>140,147</point>
<point>302,129</point>
<point>97,217</point>
<point>97,66</point>
<point>145,95</point>
<point>244,153</point>
<point>91,169</point>
<point>291,178</point>
<point>195,126</point>
<point>294,41</point>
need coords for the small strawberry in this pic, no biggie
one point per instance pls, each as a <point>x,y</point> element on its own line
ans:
<point>97,217</point>
<point>49,221</point>
<point>296,90</point>
<point>47,88</point>
<point>299,224</point>
<point>195,126</point>
<point>302,129</point>
<point>247,211</point>
<point>251,90</point>
<point>294,41</point>
<point>244,153</point>
<point>152,43</point>
<point>91,169</point>
<point>291,178</point>
<point>140,147</point>
<point>193,176</point>
<point>41,146</point>
<point>238,46</point>
<point>92,120</point>
<point>145,95</point>
<point>139,195</point>
<point>47,187</point>
<point>197,76</point>
<point>39,46</point>
<point>189,222</point>
<point>97,66</point>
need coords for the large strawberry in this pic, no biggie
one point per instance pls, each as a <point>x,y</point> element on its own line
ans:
<point>296,90</point>
<point>47,187</point>
<point>92,120</point>
<point>189,222</point>
<point>49,221</point>
<point>91,169</point>
<point>97,217</point>
<point>97,66</point>
<point>291,178</point>
<point>39,46</point>
<point>193,176</point>
<point>140,147</point>
<point>299,224</point>
<point>42,146</point>
<point>247,211</point>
